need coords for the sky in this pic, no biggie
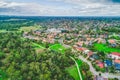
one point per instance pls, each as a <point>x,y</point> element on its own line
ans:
<point>60,7</point>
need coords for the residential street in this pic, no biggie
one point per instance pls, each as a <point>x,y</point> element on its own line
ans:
<point>106,75</point>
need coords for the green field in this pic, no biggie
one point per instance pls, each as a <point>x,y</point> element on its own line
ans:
<point>105,48</point>
<point>58,48</point>
<point>37,46</point>
<point>73,70</point>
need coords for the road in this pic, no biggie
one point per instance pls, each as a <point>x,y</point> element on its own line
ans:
<point>105,75</point>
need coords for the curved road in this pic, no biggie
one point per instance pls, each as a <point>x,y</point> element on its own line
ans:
<point>105,75</point>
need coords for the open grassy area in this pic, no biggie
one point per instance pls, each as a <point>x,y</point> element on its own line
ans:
<point>37,46</point>
<point>73,70</point>
<point>28,28</point>
<point>105,48</point>
<point>58,47</point>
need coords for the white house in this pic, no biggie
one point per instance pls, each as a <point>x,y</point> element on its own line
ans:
<point>115,55</point>
<point>86,51</point>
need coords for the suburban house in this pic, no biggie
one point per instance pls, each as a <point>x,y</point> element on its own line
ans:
<point>108,63</point>
<point>90,53</point>
<point>100,64</point>
<point>82,49</point>
<point>115,55</point>
<point>117,64</point>
<point>86,51</point>
<point>112,43</point>
<point>94,57</point>
<point>79,44</point>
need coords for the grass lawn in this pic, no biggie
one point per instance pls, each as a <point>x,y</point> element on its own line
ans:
<point>73,70</point>
<point>105,48</point>
<point>37,46</point>
<point>58,47</point>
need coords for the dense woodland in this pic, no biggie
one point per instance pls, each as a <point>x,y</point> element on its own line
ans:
<point>20,61</point>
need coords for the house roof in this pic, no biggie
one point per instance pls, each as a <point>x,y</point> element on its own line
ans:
<point>100,64</point>
<point>90,53</point>
<point>81,49</point>
<point>117,66</point>
<point>117,61</point>
<point>111,41</point>
<point>116,53</point>
<point>108,62</point>
<point>95,56</point>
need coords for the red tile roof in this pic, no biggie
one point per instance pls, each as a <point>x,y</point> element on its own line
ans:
<point>90,53</point>
<point>111,41</point>
<point>117,61</point>
<point>81,49</point>
<point>101,65</point>
<point>116,53</point>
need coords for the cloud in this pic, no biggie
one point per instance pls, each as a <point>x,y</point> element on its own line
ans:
<point>95,7</point>
<point>70,8</point>
<point>30,9</point>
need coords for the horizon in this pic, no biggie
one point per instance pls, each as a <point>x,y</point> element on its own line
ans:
<point>54,16</point>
